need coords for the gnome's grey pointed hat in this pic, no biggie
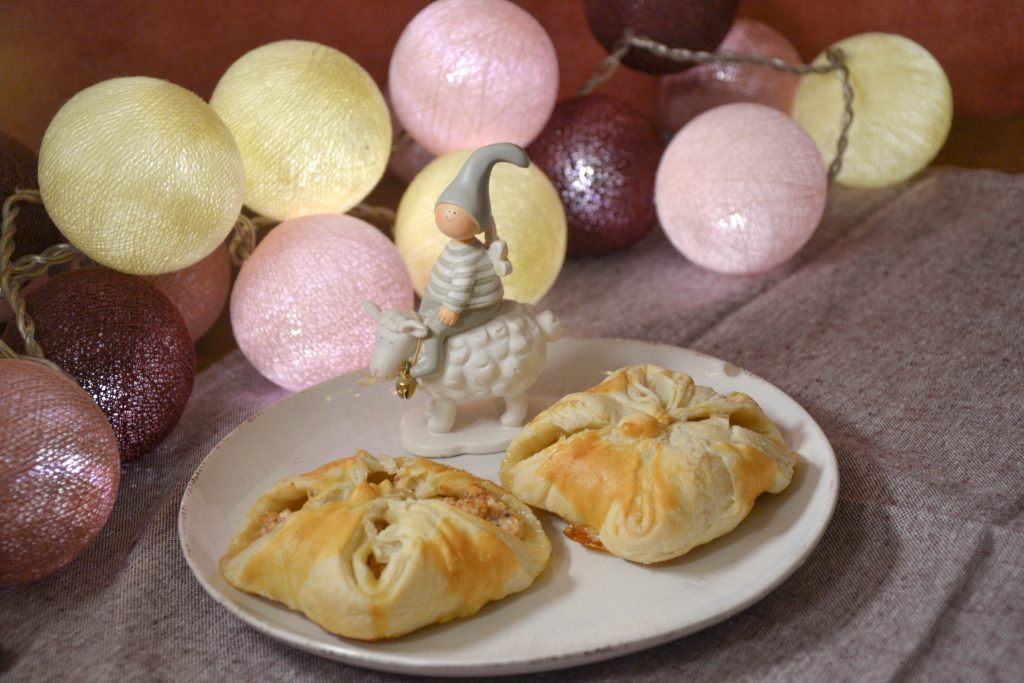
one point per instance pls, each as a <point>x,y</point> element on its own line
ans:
<point>471,188</point>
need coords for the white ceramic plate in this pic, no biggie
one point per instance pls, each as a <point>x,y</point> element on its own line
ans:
<point>587,605</point>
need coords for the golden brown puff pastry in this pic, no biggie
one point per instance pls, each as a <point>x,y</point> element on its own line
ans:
<point>373,547</point>
<point>647,464</point>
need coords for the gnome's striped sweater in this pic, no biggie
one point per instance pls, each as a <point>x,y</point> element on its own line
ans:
<point>464,277</point>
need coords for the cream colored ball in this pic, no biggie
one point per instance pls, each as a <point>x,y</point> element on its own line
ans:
<point>312,125</point>
<point>527,211</point>
<point>902,109</point>
<point>141,175</point>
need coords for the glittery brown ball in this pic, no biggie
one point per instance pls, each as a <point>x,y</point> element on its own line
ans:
<point>602,156</point>
<point>35,231</point>
<point>59,470</point>
<point>125,343</point>
<point>690,24</point>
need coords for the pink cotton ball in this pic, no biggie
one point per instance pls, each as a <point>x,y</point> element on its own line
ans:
<point>740,189</point>
<point>199,291</point>
<point>466,73</point>
<point>296,308</point>
<point>684,95</point>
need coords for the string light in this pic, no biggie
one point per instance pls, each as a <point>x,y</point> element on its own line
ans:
<point>526,208</point>
<point>141,175</point>
<point>311,124</point>
<point>296,308</point>
<point>757,198</point>
<point>466,73</point>
<point>877,107</point>
<point>903,115</point>
<point>60,471</point>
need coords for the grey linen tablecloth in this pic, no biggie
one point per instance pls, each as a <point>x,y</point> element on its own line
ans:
<point>899,328</point>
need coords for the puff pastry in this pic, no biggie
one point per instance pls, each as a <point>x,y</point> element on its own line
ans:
<point>373,547</point>
<point>647,464</point>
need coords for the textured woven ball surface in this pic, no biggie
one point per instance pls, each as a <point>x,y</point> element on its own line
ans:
<point>527,211</point>
<point>902,104</point>
<point>740,189</point>
<point>690,24</point>
<point>601,155</point>
<point>312,126</point>
<point>35,231</point>
<point>296,308</point>
<point>683,96</point>
<point>59,471</point>
<point>200,291</point>
<point>125,343</point>
<point>466,73</point>
<point>141,175</point>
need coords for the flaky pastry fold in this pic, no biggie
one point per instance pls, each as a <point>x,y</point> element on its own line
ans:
<point>373,547</point>
<point>647,464</point>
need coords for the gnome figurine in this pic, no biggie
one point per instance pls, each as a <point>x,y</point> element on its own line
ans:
<point>466,346</point>
<point>464,290</point>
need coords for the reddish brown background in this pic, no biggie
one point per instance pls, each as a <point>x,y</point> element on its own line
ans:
<point>50,49</point>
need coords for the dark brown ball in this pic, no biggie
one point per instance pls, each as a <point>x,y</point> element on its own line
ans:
<point>59,470</point>
<point>602,156</point>
<point>690,24</point>
<point>18,166</point>
<point>125,343</point>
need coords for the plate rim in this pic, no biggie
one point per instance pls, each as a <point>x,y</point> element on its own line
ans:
<point>409,665</point>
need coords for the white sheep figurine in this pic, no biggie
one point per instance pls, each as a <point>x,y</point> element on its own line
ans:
<point>501,358</point>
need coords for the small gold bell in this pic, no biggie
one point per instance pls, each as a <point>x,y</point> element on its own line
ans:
<point>405,385</point>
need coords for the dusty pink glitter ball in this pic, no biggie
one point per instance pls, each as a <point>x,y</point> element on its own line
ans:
<point>200,291</point>
<point>296,308</point>
<point>684,95</point>
<point>466,73</point>
<point>59,470</point>
<point>740,189</point>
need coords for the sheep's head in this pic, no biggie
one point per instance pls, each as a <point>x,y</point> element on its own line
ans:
<point>397,335</point>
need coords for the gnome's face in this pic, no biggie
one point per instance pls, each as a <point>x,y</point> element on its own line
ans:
<point>455,222</point>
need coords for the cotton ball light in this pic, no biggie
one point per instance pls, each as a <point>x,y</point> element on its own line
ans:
<point>200,291</point>
<point>59,471</point>
<point>902,103</point>
<point>126,345</point>
<point>408,159</point>
<point>467,73</point>
<point>34,230</point>
<point>684,95</point>
<point>141,175</point>
<point>527,211</point>
<point>296,308</point>
<point>312,126</point>
<point>690,24</point>
<point>740,189</point>
<point>18,168</point>
<point>7,315</point>
<point>407,156</point>
<point>601,154</point>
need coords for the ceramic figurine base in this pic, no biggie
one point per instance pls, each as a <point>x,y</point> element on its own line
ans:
<point>477,429</point>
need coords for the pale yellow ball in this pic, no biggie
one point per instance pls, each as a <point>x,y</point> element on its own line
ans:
<point>902,109</point>
<point>141,175</point>
<point>527,211</point>
<point>312,125</point>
